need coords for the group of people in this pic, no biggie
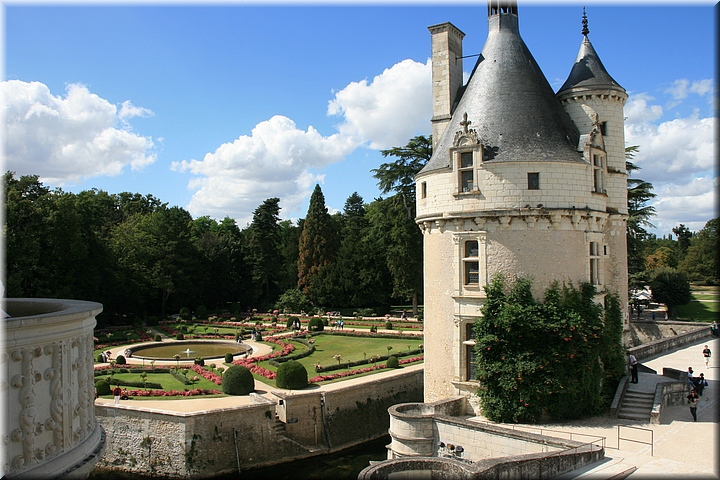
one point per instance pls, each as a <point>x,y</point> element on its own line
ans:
<point>697,384</point>
<point>105,356</point>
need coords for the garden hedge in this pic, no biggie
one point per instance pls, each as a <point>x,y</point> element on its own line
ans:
<point>291,375</point>
<point>237,380</point>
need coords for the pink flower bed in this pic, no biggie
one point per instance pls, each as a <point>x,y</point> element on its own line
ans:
<point>333,376</point>
<point>213,377</point>
<point>171,393</point>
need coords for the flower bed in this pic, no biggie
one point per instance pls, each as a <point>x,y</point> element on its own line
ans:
<point>333,376</point>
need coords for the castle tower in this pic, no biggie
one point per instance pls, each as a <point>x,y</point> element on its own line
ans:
<point>511,188</point>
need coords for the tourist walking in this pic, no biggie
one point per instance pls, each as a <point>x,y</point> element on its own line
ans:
<point>690,378</point>
<point>700,384</point>
<point>693,400</point>
<point>707,354</point>
<point>632,361</point>
<point>714,329</point>
<point>116,394</point>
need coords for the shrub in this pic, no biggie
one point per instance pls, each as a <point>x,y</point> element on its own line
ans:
<point>179,336</point>
<point>316,324</point>
<point>292,375</point>
<point>237,380</point>
<point>290,322</point>
<point>100,358</point>
<point>388,325</point>
<point>157,337</point>
<point>201,312</point>
<point>120,360</point>
<point>185,313</point>
<point>258,336</point>
<point>392,362</point>
<point>152,321</point>
<point>228,358</point>
<point>199,361</point>
<point>102,387</point>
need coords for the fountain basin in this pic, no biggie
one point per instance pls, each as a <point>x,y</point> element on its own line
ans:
<point>206,349</point>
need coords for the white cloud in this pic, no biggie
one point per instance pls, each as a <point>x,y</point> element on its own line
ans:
<point>394,107</point>
<point>276,160</point>
<point>677,156</point>
<point>66,139</point>
<point>279,160</point>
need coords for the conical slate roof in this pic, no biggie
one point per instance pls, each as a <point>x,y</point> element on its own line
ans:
<point>588,71</point>
<point>511,105</point>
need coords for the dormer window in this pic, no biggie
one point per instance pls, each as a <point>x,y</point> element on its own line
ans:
<point>466,163</point>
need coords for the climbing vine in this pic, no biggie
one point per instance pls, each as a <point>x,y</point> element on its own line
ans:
<point>544,358</point>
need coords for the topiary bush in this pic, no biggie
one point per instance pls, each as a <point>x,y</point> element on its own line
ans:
<point>185,313</point>
<point>258,336</point>
<point>316,325</point>
<point>388,325</point>
<point>102,387</point>
<point>392,362</point>
<point>179,336</point>
<point>292,375</point>
<point>157,337</point>
<point>201,313</point>
<point>120,360</point>
<point>200,361</point>
<point>228,358</point>
<point>237,380</point>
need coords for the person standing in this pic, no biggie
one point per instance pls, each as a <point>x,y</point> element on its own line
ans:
<point>116,394</point>
<point>690,378</point>
<point>707,354</point>
<point>693,400</point>
<point>632,361</point>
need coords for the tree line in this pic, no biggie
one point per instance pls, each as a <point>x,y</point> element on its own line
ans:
<point>138,256</point>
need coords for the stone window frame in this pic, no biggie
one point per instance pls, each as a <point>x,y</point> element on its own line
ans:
<point>469,373</point>
<point>423,190</point>
<point>596,250</point>
<point>461,240</point>
<point>598,162</point>
<point>457,155</point>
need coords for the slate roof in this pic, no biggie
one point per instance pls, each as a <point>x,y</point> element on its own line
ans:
<point>588,71</point>
<point>511,105</point>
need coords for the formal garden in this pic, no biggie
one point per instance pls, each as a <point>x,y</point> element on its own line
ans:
<point>328,348</point>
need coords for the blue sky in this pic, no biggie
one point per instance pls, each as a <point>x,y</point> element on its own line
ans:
<point>217,108</point>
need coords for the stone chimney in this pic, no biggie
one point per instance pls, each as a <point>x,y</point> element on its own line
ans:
<point>447,74</point>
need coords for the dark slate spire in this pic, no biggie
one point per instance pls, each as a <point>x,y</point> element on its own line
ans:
<point>588,71</point>
<point>510,103</point>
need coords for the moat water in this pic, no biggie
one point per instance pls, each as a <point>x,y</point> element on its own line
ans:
<point>343,465</point>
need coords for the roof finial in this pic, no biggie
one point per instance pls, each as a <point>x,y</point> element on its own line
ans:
<point>585,29</point>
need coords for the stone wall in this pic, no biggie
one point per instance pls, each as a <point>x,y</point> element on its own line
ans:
<point>215,442</point>
<point>670,335</point>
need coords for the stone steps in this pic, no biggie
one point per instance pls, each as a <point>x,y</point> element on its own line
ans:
<point>607,469</point>
<point>636,406</point>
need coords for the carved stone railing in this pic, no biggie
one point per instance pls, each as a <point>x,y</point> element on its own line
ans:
<point>47,388</point>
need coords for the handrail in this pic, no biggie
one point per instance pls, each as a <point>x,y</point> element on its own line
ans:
<point>651,443</point>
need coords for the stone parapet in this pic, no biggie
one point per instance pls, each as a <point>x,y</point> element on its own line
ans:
<point>50,425</point>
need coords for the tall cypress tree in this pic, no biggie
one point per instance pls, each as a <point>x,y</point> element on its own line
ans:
<point>262,253</point>
<point>317,246</point>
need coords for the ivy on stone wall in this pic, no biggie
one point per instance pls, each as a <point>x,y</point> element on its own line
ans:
<point>549,358</point>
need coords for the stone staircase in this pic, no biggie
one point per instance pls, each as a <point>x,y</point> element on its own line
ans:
<point>636,405</point>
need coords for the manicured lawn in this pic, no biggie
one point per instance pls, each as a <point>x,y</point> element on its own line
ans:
<point>704,306</point>
<point>167,381</point>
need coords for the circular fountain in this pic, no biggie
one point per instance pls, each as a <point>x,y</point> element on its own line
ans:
<point>207,349</point>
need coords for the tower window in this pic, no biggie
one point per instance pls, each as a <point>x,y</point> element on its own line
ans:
<point>533,181</point>
<point>471,263</point>
<point>598,173</point>
<point>603,128</point>
<point>470,373</point>
<point>467,172</point>
<point>423,190</point>
<point>594,263</point>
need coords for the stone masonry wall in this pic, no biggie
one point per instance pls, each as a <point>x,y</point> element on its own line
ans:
<point>209,443</point>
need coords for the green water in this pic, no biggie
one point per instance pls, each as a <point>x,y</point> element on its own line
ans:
<point>344,465</point>
<point>197,349</point>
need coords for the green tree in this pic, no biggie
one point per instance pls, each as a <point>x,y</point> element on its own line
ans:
<point>405,253</point>
<point>684,236</point>
<point>662,257</point>
<point>262,254</point>
<point>317,248</point>
<point>701,261</point>
<point>671,288</point>
<point>639,213</point>
<point>535,358</point>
